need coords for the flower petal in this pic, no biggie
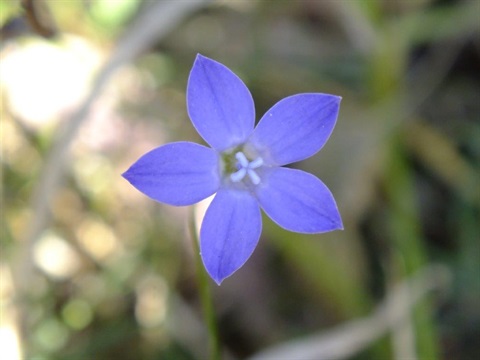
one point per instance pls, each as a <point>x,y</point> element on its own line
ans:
<point>298,201</point>
<point>230,232</point>
<point>180,173</point>
<point>219,104</point>
<point>296,127</point>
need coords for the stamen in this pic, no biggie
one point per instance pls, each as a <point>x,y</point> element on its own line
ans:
<point>238,175</point>
<point>242,159</point>
<point>253,176</point>
<point>256,163</point>
<point>245,167</point>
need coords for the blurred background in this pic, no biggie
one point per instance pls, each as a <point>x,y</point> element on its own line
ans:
<point>92,269</point>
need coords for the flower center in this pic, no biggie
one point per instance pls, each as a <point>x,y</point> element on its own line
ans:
<point>246,167</point>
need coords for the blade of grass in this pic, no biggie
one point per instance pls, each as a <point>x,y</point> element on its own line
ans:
<point>407,239</point>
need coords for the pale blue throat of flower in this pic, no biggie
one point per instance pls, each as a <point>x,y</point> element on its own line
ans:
<point>246,167</point>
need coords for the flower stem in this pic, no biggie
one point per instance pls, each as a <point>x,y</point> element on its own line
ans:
<point>205,294</point>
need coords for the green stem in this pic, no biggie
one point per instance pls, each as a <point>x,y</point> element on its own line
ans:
<point>205,294</point>
<point>405,229</point>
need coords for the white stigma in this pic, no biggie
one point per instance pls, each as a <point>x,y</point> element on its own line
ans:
<point>246,167</point>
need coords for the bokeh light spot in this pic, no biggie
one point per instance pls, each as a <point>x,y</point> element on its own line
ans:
<point>77,314</point>
<point>55,256</point>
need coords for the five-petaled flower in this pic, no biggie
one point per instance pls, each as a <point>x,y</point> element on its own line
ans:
<point>244,166</point>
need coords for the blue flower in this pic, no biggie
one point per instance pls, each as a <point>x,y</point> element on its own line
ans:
<point>244,166</point>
